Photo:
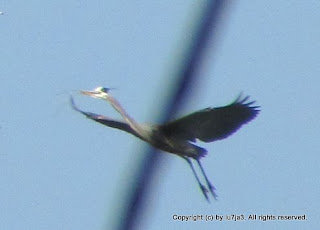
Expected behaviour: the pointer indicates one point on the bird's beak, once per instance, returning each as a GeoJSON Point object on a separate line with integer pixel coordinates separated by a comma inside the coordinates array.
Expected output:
{"type": "Point", "coordinates": [89, 93]}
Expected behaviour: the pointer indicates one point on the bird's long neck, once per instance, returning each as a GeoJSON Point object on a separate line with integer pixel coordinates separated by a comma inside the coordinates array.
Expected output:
{"type": "Point", "coordinates": [130, 121]}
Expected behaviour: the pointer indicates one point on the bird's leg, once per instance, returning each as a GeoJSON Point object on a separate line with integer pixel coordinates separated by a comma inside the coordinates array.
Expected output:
{"type": "Point", "coordinates": [202, 187]}
{"type": "Point", "coordinates": [211, 187]}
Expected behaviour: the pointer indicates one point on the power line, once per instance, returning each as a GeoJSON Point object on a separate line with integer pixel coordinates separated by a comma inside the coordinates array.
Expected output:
{"type": "Point", "coordinates": [186, 76]}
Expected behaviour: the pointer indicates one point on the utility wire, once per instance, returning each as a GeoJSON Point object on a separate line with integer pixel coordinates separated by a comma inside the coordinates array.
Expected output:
{"type": "Point", "coordinates": [133, 207]}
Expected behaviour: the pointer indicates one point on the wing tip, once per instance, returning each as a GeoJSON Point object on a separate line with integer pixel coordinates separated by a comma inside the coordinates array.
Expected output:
{"type": "Point", "coordinates": [244, 101]}
{"type": "Point", "coordinates": [73, 105]}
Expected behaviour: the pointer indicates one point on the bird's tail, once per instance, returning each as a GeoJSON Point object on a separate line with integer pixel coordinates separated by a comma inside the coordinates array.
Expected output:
{"type": "Point", "coordinates": [201, 152]}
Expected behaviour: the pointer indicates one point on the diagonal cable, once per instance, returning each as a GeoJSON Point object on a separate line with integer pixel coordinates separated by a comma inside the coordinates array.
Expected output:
{"type": "Point", "coordinates": [133, 207]}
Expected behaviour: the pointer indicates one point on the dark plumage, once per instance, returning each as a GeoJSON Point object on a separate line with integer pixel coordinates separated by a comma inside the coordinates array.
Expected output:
{"type": "Point", "coordinates": [213, 124]}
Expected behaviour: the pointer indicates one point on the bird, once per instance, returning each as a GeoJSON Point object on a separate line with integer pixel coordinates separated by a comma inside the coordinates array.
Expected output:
{"type": "Point", "coordinates": [179, 136]}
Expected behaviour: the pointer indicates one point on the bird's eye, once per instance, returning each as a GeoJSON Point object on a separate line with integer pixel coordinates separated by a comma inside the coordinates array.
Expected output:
{"type": "Point", "coordinates": [104, 90]}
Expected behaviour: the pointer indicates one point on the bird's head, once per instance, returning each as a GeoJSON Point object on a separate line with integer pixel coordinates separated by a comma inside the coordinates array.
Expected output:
{"type": "Point", "coordinates": [99, 92]}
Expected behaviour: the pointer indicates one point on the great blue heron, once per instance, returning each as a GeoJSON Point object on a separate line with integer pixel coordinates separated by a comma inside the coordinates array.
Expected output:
{"type": "Point", "coordinates": [178, 136]}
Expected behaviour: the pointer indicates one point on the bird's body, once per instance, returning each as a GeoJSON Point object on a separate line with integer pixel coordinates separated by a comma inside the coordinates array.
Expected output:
{"type": "Point", "coordinates": [178, 136]}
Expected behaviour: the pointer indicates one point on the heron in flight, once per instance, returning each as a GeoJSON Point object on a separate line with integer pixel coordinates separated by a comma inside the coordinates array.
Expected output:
{"type": "Point", "coordinates": [178, 136]}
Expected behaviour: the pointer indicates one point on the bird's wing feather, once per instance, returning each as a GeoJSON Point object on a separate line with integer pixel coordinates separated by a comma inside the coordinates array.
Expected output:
{"type": "Point", "coordinates": [104, 120]}
{"type": "Point", "coordinates": [213, 123]}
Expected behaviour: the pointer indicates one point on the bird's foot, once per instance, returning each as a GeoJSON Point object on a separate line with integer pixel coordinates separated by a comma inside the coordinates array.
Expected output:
{"type": "Point", "coordinates": [204, 191]}
{"type": "Point", "coordinates": [212, 191]}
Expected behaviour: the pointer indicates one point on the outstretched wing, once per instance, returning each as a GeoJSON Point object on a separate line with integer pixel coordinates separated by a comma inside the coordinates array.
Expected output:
{"type": "Point", "coordinates": [213, 123]}
{"type": "Point", "coordinates": [104, 120]}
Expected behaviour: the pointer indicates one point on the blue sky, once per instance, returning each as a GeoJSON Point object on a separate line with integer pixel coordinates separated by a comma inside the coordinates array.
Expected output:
{"type": "Point", "coordinates": [59, 170]}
